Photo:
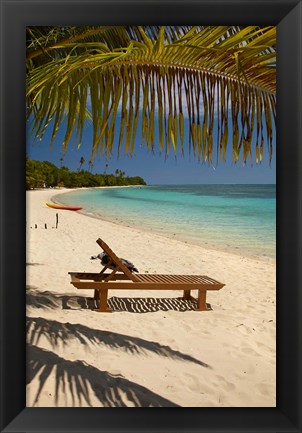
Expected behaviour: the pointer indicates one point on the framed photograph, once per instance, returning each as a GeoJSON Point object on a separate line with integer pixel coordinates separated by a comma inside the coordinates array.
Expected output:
{"type": "Point", "coordinates": [235, 367]}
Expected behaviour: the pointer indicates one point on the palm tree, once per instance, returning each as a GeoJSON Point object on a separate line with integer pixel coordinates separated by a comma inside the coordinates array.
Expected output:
{"type": "Point", "coordinates": [82, 160]}
{"type": "Point", "coordinates": [195, 79]}
{"type": "Point", "coordinates": [90, 165]}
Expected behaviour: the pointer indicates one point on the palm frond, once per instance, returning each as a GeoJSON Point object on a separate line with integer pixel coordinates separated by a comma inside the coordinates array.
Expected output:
{"type": "Point", "coordinates": [220, 78]}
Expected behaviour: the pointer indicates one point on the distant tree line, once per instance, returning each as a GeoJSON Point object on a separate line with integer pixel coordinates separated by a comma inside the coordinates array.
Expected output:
{"type": "Point", "coordinates": [45, 175]}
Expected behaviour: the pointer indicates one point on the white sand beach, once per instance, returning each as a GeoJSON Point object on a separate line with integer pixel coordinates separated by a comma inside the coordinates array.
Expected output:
{"type": "Point", "coordinates": [225, 357]}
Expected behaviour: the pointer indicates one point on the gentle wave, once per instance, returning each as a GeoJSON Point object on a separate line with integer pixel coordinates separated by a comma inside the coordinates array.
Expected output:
{"type": "Point", "coordinates": [239, 218]}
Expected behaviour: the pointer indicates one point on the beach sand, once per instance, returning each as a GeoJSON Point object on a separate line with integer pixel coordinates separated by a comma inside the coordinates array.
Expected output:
{"type": "Point", "coordinates": [225, 357]}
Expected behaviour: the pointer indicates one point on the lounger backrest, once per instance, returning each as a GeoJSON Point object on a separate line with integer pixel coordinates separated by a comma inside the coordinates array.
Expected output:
{"type": "Point", "coordinates": [116, 260]}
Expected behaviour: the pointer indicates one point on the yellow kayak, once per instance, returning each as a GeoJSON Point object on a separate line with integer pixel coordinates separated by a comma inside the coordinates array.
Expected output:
{"type": "Point", "coordinates": [57, 206]}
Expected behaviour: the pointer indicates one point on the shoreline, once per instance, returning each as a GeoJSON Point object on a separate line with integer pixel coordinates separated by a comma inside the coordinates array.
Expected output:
{"type": "Point", "coordinates": [159, 357]}
{"type": "Point", "coordinates": [206, 245]}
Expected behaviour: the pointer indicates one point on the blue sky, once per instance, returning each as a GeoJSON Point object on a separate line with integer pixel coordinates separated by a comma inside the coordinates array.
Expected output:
{"type": "Point", "coordinates": [154, 168]}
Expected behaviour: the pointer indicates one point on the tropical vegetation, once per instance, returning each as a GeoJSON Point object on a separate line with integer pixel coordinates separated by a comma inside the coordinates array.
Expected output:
{"type": "Point", "coordinates": [169, 88]}
{"type": "Point", "coordinates": [44, 174]}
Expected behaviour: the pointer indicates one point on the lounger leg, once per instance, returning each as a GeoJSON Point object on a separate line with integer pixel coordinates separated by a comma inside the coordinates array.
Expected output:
{"type": "Point", "coordinates": [187, 294]}
{"type": "Point", "coordinates": [103, 295]}
{"type": "Point", "coordinates": [201, 301]}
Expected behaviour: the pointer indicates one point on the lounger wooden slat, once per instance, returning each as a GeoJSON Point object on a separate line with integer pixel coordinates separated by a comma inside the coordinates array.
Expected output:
{"type": "Point", "coordinates": [192, 278]}
{"type": "Point", "coordinates": [116, 259]}
{"type": "Point", "coordinates": [168, 279]}
{"type": "Point", "coordinates": [122, 279]}
{"type": "Point", "coordinates": [141, 277]}
{"type": "Point", "coordinates": [121, 285]}
{"type": "Point", "coordinates": [208, 279]}
{"type": "Point", "coordinates": [204, 280]}
{"type": "Point", "coordinates": [200, 280]}
{"type": "Point", "coordinates": [97, 276]}
{"type": "Point", "coordinates": [154, 278]}
{"type": "Point", "coordinates": [165, 279]}
{"type": "Point", "coordinates": [189, 279]}
{"type": "Point", "coordinates": [178, 279]}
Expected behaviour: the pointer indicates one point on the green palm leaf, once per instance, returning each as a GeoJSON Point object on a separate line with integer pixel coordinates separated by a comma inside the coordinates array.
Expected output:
{"type": "Point", "coordinates": [215, 76]}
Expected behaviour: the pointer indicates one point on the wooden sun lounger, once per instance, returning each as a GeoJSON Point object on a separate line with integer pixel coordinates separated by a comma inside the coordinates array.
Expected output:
{"type": "Point", "coordinates": [121, 278]}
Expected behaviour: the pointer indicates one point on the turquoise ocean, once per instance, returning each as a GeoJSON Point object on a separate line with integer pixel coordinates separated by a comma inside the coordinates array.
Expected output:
{"type": "Point", "coordinates": [236, 218]}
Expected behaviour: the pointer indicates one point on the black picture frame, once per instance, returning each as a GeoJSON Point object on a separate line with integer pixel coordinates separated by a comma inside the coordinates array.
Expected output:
{"type": "Point", "coordinates": [15, 16]}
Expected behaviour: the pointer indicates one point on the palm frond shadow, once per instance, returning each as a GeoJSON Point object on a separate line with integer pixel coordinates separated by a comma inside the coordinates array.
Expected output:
{"type": "Point", "coordinates": [57, 332]}
{"type": "Point", "coordinates": [38, 299]}
{"type": "Point", "coordinates": [77, 378]}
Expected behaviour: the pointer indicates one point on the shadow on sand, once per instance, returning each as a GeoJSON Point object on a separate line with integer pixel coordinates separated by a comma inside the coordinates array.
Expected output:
{"type": "Point", "coordinates": [61, 333]}
{"type": "Point", "coordinates": [132, 305]}
{"type": "Point", "coordinates": [79, 379]}
{"type": "Point", "coordinates": [38, 299]}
